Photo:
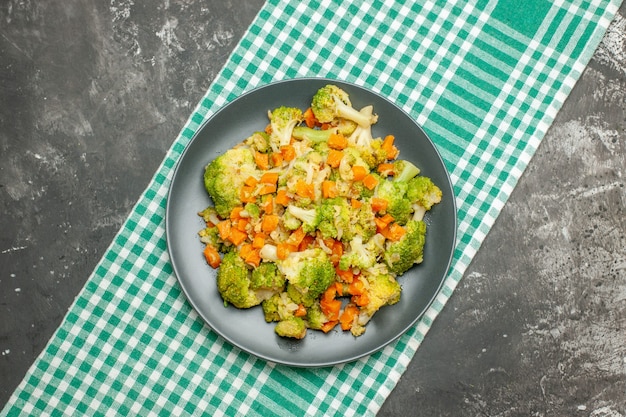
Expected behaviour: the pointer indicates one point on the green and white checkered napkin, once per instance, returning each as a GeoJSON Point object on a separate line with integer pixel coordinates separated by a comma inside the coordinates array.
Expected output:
{"type": "Point", "coordinates": [484, 78]}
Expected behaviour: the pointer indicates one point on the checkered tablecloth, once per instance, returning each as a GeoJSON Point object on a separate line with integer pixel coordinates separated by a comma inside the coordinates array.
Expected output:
{"type": "Point", "coordinates": [484, 78]}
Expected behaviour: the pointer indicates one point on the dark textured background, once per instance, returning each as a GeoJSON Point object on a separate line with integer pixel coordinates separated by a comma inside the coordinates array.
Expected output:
{"type": "Point", "coordinates": [93, 93]}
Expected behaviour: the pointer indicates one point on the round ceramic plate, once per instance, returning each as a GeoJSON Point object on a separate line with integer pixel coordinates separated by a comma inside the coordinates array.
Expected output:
{"type": "Point", "coordinates": [247, 329]}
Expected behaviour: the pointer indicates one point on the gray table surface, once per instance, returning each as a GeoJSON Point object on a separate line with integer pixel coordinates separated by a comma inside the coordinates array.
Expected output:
{"type": "Point", "coordinates": [92, 95]}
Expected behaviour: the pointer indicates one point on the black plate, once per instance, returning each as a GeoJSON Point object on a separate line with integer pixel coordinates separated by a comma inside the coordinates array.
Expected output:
{"type": "Point", "coordinates": [247, 329]}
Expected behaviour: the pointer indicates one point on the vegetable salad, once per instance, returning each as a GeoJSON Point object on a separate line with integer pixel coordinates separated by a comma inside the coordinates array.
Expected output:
{"type": "Point", "coordinates": [313, 218]}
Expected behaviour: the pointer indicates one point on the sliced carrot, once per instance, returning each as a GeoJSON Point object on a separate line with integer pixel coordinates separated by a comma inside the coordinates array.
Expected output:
{"type": "Point", "coordinates": [380, 224]}
{"type": "Point", "coordinates": [383, 222]}
{"type": "Point", "coordinates": [385, 169]}
{"type": "Point", "coordinates": [384, 231]}
{"type": "Point", "coordinates": [339, 288]}
{"type": "Point", "coordinates": [329, 294]}
{"type": "Point", "coordinates": [304, 189]}
{"type": "Point", "coordinates": [325, 126]}
{"type": "Point", "coordinates": [253, 257]}
{"type": "Point", "coordinates": [296, 237]}
{"type": "Point", "coordinates": [345, 276]}
{"type": "Point", "coordinates": [269, 223]}
{"type": "Point", "coordinates": [267, 189]}
{"type": "Point", "coordinates": [284, 249]}
{"type": "Point", "coordinates": [245, 249]}
{"type": "Point", "coordinates": [237, 236]}
{"type": "Point", "coordinates": [306, 242]}
{"type": "Point", "coordinates": [329, 189]}
{"type": "Point", "coordinates": [251, 181]}
{"type": "Point", "coordinates": [389, 148]}
{"type": "Point", "coordinates": [337, 141]}
{"type": "Point", "coordinates": [331, 308]}
{"type": "Point", "coordinates": [334, 158]}
{"type": "Point", "coordinates": [236, 213]}
{"type": "Point", "coordinates": [359, 172]}
{"type": "Point", "coordinates": [356, 287]}
{"type": "Point", "coordinates": [300, 312]}
{"type": "Point", "coordinates": [223, 228]}
{"type": "Point", "coordinates": [262, 160]}
{"type": "Point", "coordinates": [268, 128]}
{"type": "Point", "coordinates": [282, 198]}
{"type": "Point", "coordinates": [269, 178]}
{"type": "Point", "coordinates": [350, 312]}
{"type": "Point", "coordinates": [309, 118]}
{"type": "Point", "coordinates": [246, 194]}
{"type": "Point", "coordinates": [393, 232]}
{"type": "Point", "coordinates": [329, 325]}
{"type": "Point", "coordinates": [288, 152]}
{"type": "Point", "coordinates": [337, 251]}
{"type": "Point", "coordinates": [259, 241]}
{"type": "Point", "coordinates": [361, 300]}
{"type": "Point", "coordinates": [370, 181]}
{"type": "Point", "coordinates": [268, 204]}
{"type": "Point", "coordinates": [241, 224]}
{"type": "Point", "coordinates": [387, 218]}
{"type": "Point", "coordinates": [355, 204]}
{"type": "Point", "coordinates": [212, 256]}
{"type": "Point", "coordinates": [277, 159]}
{"type": "Point", "coordinates": [329, 242]}
{"type": "Point", "coordinates": [379, 204]}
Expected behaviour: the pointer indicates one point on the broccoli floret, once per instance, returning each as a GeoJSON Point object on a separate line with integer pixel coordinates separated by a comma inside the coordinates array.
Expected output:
{"type": "Point", "coordinates": [399, 205]}
{"type": "Point", "coordinates": [409, 250]}
{"type": "Point", "coordinates": [360, 191]}
{"type": "Point", "coordinates": [225, 175]}
{"type": "Point", "coordinates": [362, 221]}
{"type": "Point", "coordinates": [290, 221]}
{"type": "Point", "coordinates": [233, 282]}
{"type": "Point", "coordinates": [283, 120]}
{"type": "Point", "coordinates": [405, 170]}
{"type": "Point", "coordinates": [266, 277]}
{"type": "Point", "coordinates": [259, 141]}
{"type": "Point", "coordinates": [209, 215]}
{"type": "Point", "coordinates": [315, 318]}
{"type": "Point", "coordinates": [278, 307]}
{"type": "Point", "coordinates": [252, 210]}
{"type": "Point", "coordinates": [351, 157]}
{"type": "Point", "coordinates": [360, 255]}
{"type": "Point", "coordinates": [373, 153]}
{"type": "Point", "coordinates": [423, 191]}
{"type": "Point", "coordinates": [210, 236]}
{"type": "Point", "coordinates": [293, 327]}
{"type": "Point", "coordinates": [331, 102]}
{"type": "Point", "coordinates": [309, 273]}
{"type": "Point", "coordinates": [244, 289]}
{"type": "Point", "coordinates": [383, 290]}
{"type": "Point", "coordinates": [346, 127]}
{"type": "Point", "coordinates": [335, 218]}
{"type": "Point", "coordinates": [310, 218]}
